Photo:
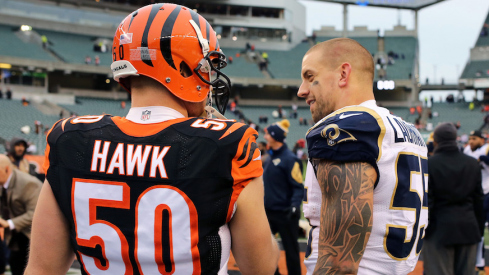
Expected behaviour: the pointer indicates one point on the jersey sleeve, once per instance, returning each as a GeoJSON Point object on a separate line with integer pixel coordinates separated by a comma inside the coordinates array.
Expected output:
{"type": "Point", "coordinates": [246, 165]}
{"type": "Point", "coordinates": [348, 136]}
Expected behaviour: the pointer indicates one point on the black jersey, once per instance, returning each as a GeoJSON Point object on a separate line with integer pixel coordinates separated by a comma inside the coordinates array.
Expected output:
{"type": "Point", "coordinates": [150, 198]}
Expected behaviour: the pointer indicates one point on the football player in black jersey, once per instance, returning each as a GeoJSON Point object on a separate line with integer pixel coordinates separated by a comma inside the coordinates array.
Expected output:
{"type": "Point", "coordinates": [165, 189]}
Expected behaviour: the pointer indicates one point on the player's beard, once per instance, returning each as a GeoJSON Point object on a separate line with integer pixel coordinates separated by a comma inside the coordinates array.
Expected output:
{"type": "Point", "coordinates": [321, 110]}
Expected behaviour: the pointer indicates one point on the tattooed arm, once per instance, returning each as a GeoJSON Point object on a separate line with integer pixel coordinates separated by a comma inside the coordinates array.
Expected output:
{"type": "Point", "coordinates": [346, 214]}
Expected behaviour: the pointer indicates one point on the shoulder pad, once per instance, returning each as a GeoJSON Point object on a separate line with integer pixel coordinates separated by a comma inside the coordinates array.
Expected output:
{"type": "Point", "coordinates": [352, 134]}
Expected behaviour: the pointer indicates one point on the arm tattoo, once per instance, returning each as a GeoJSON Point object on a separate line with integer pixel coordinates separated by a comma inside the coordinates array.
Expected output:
{"type": "Point", "coordinates": [346, 215]}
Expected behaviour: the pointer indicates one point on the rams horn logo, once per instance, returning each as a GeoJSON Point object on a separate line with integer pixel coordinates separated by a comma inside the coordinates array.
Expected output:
{"type": "Point", "coordinates": [334, 135]}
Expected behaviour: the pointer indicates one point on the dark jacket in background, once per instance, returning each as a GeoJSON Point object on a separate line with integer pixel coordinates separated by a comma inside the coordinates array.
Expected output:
{"type": "Point", "coordinates": [282, 177]}
{"type": "Point", "coordinates": [455, 198]}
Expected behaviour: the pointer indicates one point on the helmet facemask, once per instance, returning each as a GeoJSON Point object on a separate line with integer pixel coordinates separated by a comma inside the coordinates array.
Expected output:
{"type": "Point", "coordinates": [213, 61]}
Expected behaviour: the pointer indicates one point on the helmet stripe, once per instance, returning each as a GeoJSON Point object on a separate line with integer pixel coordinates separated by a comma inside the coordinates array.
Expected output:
{"type": "Point", "coordinates": [166, 31]}
{"type": "Point", "coordinates": [207, 28]}
{"type": "Point", "coordinates": [195, 17]}
{"type": "Point", "coordinates": [144, 41]}
{"type": "Point", "coordinates": [132, 18]}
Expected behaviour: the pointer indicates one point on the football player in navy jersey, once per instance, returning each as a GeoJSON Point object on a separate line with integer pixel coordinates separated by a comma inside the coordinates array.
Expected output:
{"type": "Point", "coordinates": [166, 189]}
{"type": "Point", "coordinates": [366, 179]}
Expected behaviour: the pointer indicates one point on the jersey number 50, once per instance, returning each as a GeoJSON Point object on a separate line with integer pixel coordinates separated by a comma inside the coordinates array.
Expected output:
{"type": "Point", "coordinates": [410, 195]}
{"type": "Point", "coordinates": [87, 195]}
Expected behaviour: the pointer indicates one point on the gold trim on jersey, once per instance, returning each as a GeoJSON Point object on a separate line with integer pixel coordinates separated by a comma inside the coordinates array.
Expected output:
{"type": "Point", "coordinates": [405, 208]}
{"type": "Point", "coordinates": [368, 110]}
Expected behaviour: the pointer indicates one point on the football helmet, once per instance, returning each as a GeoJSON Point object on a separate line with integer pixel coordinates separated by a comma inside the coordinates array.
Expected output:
{"type": "Point", "coordinates": [175, 46]}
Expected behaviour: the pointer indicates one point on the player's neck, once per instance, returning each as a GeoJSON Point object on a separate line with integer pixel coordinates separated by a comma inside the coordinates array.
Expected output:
{"type": "Point", "coordinates": [354, 98]}
{"type": "Point", "coordinates": [157, 97]}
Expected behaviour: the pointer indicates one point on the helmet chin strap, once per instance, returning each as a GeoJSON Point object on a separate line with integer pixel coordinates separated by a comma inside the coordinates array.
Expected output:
{"type": "Point", "coordinates": [209, 111]}
{"type": "Point", "coordinates": [206, 68]}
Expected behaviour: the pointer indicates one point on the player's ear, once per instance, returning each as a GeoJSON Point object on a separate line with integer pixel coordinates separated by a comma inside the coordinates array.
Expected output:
{"type": "Point", "coordinates": [345, 71]}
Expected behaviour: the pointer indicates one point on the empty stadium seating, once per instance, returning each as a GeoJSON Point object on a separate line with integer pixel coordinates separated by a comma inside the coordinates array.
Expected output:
{"type": "Point", "coordinates": [73, 47]}
{"type": "Point", "coordinates": [92, 106]}
{"type": "Point", "coordinates": [483, 40]}
{"type": "Point", "coordinates": [453, 112]}
{"type": "Point", "coordinates": [11, 45]}
{"type": "Point", "coordinates": [240, 66]}
{"type": "Point", "coordinates": [402, 68]}
{"type": "Point", "coordinates": [476, 69]}
{"type": "Point", "coordinates": [14, 116]}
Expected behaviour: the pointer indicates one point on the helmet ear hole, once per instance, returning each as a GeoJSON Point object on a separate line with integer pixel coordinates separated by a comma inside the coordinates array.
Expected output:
{"type": "Point", "coordinates": [185, 70]}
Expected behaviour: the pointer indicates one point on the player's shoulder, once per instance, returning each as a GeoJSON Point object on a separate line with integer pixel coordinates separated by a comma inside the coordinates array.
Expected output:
{"type": "Point", "coordinates": [80, 123]}
{"type": "Point", "coordinates": [348, 124]}
{"type": "Point", "coordinates": [350, 134]}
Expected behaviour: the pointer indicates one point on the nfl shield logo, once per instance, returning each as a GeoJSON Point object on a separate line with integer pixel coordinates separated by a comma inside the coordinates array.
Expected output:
{"type": "Point", "coordinates": [145, 115]}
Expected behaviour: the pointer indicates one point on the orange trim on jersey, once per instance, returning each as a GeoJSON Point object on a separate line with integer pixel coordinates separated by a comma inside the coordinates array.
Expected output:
{"type": "Point", "coordinates": [143, 130]}
{"type": "Point", "coordinates": [243, 170]}
{"type": "Point", "coordinates": [194, 230]}
{"type": "Point", "coordinates": [94, 240]}
{"type": "Point", "coordinates": [231, 129]}
{"type": "Point", "coordinates": [46, 163]}
{"type": "Point", "coordinates": [64, 123]}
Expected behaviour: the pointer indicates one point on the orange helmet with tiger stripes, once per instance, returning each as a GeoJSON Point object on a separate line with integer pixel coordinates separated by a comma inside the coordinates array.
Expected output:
{"type": "Point", "coordinates": [175, 46]}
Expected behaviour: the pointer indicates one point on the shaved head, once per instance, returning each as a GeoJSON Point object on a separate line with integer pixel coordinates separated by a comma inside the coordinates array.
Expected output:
{"type": "Point", "coordinates": [6, 168]}
{"type": "Point", "coordinates": [335, 74]}
{"type": "Point", "coordinates": [337, 51]}
{"type": "Point", "coordinates": [4, 161]}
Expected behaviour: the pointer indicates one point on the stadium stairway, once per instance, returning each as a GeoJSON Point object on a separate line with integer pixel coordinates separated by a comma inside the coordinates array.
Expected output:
{"type": "Point", "coordinates": [23, 48]}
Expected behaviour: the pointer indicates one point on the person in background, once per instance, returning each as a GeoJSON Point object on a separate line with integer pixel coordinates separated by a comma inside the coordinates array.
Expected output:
{"type": "Point", "coordinates": [456, 218]}
{"type": "Point", "coordinates": [16, 153]}
{"type": "Point", "coordinates": [17, 204]}
{"type": "Point", "coordinates": [284, 191]}
{"type": "Point", "coordinates": [478, 149]}
{"type": "Point", "coordinates": [262, 146]}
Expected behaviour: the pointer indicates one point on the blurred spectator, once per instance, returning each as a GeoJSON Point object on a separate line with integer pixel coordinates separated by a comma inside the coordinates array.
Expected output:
{"type": "Point", "coordinates": [16, 152]}
{"type": "Point", "coordinates": [300, 144]}
{"type": "Point", "coordinates": [1, 94]}
{"type": "Point", "coordinates": [252, 125]}
{"type": "Point", "coordinates": [279, 111]}
{"type": "Point", "coordinates": [123, 105]}
{"type": "Point", "coordinates": [313, 37]}
{"type": "Point", "coordinates": [38, 126]}
{"type": "Point", "coordinates": [302, 121]}
{"type": "Point", "coordinates": [458, 125]}
{"type": "Point", "coordinates": [471, 106]}
{"type": "Point", "coordinates": [294, 111]}
{"type": "Point", "coordinates": [88, 60]}
{"type": "Point", "coordinates": [97, 60]}
{"type": "Point", "coordinates": [230, 60]}
{"type": "Point", "coordinates": [18, 202]}
{"type": "Point", "coordinates": [262, 146]}
{"type": "Point", "coordinates": [432, 100]}
{"type": "Point", "coordinates": [419, 109]}
{"type": "Point", "coordinates": [263, 119]}
{"type": "Point", "coordinates": [282, 178]}
{"type": "Point", "coordinates": [25, 102]}
{"type": "Point", "coordinates": [450, 98]}
{"type": "Point", "coordinates": [455, 207]}
{"type": "Point", "coordinates": [8, 94]}
{"type": "Point", "coordinates": [412, 110]}
{"type": "Point", "coordinates": [477, 149]}
{"type": "Point", "coordinates": [44, 41]}
{"type": "Point", "coordinates": [264, 55]}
